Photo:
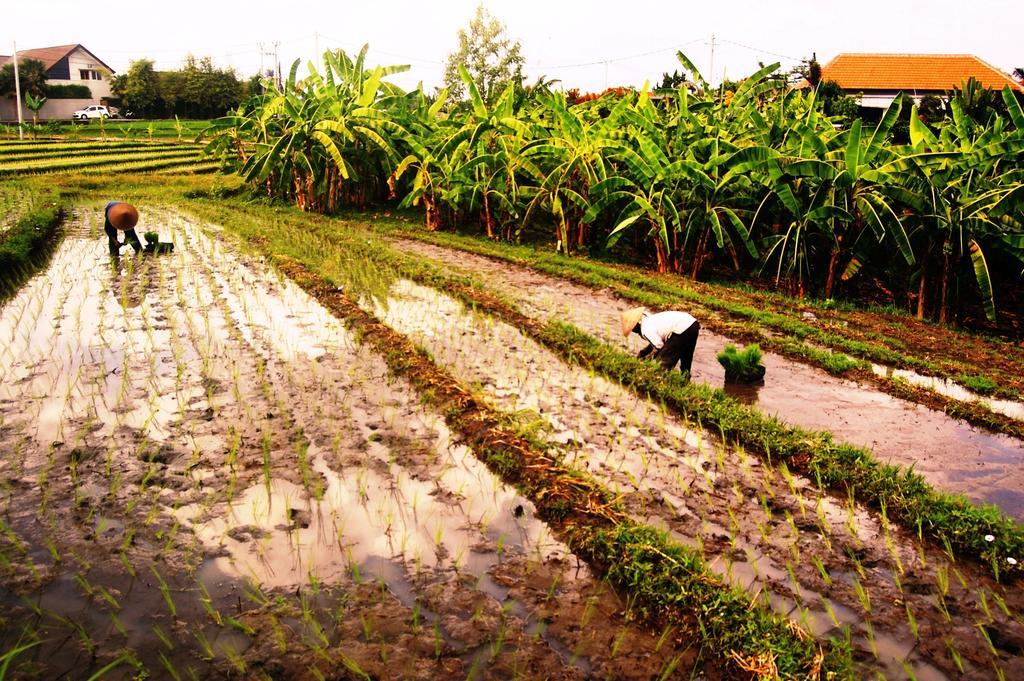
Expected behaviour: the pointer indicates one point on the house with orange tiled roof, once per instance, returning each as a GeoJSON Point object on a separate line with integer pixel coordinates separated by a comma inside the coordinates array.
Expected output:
{"type": "Point", "coordinates": [877, 79]}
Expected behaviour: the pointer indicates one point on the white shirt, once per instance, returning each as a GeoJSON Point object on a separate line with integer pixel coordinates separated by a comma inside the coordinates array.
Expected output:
{"type": "Point", "coordinates": [656, 328]}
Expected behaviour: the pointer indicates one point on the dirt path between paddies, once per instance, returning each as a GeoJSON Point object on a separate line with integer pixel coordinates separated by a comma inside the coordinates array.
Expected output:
{"type": "Point", "coordinates": [202, 472]}
{"type": "Point", "coordinates": [949, 453]}
{"type": "Point", "coordinates": [823, 563]}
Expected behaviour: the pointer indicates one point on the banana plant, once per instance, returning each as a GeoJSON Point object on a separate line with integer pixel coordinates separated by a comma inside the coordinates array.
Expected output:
{"type": "Point", "coordinates": [973, 199]}
{"type": "Point", "coordinates": [489, 163]}
{"type": "Point", "coordinates": [693, 165]}
{"type": "Point", "coordinates": [870, 196]}
{"type": "Point", "coordinates": [428, 130]}
{"type": "Point", "coordinates": [34, 104]}
{"type": "Point", "coordinates": [324, 141]}
{"type": "Point", "coordinates": [569, 161]}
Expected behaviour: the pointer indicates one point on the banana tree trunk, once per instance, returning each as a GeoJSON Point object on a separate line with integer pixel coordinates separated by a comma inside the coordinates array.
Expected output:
{"type": "Point", "coordinates": [833, 267]}
{"type": "Point", "coordinates": [433, 213]}
{"type": "Point", "coordinates": [663, 255]}
{"type": "Point", "coordinates": [487, 219]}
{"type": "Point", "coordinates": [922, 287]}
{"type": "Point", "coordinates": [582, 236]}
{"type": "Point", "coordinates": [701, 254]}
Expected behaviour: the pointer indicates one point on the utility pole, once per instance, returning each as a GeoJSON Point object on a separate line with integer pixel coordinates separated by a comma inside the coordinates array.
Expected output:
{"type": "Point", "coordinates": [711, 70]}
{"type": "Point", "coordinates": [277, 62]}
{"type": "Point", "coordinates": [17, 91]}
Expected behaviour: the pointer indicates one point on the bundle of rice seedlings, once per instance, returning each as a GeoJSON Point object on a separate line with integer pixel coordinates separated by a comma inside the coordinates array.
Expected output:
{"type": "Point", "coordinates": [742, 366]}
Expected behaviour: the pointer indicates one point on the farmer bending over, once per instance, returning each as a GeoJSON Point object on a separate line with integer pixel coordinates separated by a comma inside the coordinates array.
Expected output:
{"type": "Point", "coordinates": [671, 335]}
{"type": "Point", "coordinates": [121, 217]}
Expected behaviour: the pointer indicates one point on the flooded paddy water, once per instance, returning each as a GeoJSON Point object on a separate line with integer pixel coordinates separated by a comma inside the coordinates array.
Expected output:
{"type": "Point", "coordinates": [202, 475]}
{"type": "Point", "coordinates": [951, 454]}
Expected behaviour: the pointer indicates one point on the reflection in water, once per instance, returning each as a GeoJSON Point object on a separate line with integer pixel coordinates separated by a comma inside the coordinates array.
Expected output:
{"type": "Point", "coordinates": [131, 279]}
{"type": "Point", "coordinates": [743, 393]}
{"type": "Point", "coordinates": [1015, 410]}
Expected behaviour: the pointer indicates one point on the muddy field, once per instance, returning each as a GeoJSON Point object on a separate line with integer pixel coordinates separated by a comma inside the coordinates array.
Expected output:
{"type": "Point", "coordinates": [203, 476]}
{"type": "Point", "coordinates": [951, 454]}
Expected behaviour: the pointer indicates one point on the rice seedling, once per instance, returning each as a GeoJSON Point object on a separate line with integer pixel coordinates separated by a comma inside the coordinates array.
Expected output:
{"type": "Point", "coordinates": [862, 595]}
{"type": "Point", "coordinates": [7, 657]}
{"type": "Point", "coordinates": [165, 591]}
{"type": "Point", "coordinates": [169, 667]}
{"type": "Point", "coordinates": [742, 366]}
{"type": "Point", "coordinates": [955, 654]}
{"type": "Point", "coordinates": [822, 570]}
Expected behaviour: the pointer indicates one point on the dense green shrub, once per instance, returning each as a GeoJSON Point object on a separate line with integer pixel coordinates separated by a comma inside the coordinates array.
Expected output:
{"type": "Point", "coordinates": [68, 92]}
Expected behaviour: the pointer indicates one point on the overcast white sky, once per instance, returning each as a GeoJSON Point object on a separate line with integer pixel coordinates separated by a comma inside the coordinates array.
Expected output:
{"type": "Point", "coordinates": [589, 45]}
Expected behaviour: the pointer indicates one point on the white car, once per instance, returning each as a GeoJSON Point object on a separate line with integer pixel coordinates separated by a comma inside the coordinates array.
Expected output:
{"type": "Point", "coordinates": [94, 111]}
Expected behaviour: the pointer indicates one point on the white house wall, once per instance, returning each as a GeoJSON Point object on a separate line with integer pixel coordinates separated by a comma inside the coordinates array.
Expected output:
{"type": "Point", "coordinates": [882, 100]}
{"type": "Point", "coordinates": [54, 109]}
{"type": "Point", "coordinates": [80, 59]}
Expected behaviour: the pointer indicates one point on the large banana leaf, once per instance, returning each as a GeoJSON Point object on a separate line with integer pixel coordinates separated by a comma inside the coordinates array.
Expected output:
{"type": "Point", "coordinates": [984, 281]}
{"type": "Point", "coordinates": [474, 92]}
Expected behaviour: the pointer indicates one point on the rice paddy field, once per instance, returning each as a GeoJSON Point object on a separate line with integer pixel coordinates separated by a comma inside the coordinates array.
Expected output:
{"type": "Point", "coordinates": [19, 158]}
{"type": "Point", "coordinates": [302, 447]}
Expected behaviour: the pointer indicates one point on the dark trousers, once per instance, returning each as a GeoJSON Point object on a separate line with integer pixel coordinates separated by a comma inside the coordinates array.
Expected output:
{"type": "Point", "coordinates": [678, 348]}
{"type": "Point", "coordinates": [130, 237]}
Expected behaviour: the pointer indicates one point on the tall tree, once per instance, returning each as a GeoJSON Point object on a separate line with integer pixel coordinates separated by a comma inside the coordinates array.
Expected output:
{"type": "Point", "coordinates": [32, 77]}
{"type": "Point", "coordinates": [491, 57]}
{"type": "Point", "coordinates": [205, 90]}
{"type": "Point", "coordinates": [808, 69]}
{"type": "Point", "coordinates": [672, 81]}
{"type": "Point", "coordinates": [138, 88]}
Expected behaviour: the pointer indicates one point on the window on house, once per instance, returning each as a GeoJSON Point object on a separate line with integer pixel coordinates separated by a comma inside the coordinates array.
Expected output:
{"type": "Point", "coordinates": [89, 74]}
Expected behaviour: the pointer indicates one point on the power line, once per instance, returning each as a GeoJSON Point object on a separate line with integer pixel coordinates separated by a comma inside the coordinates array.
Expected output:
{"type": "Point", "coordinates": [598, 62]}
{"type": "Point", "coordinates": [618, 59]}
{"type": "Point", "coordinates": [759, 50]}
{"type": "Point", "coordinates": [387, 53]}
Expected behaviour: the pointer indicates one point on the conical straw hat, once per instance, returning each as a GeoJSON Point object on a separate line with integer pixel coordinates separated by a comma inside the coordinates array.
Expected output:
{"type": "Point", "coordinates": [123, 216]}
{"type": "Point", "coordinates": [630, 318]}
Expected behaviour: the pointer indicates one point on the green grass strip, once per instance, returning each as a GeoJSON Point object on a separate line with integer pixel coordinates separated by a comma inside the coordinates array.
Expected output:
{"type": "Point", "coordinates": [31, 148]}
{"type": "Point", "coordinates": [93, 152]}
{"type": "Point", "coordinates": [96, 162]}
{"type": "Point", "coordinates": [26, 247]}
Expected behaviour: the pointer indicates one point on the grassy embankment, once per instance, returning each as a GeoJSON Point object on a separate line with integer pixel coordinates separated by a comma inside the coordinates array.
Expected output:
{"type": "Point", "coordinates": [28, 239]}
